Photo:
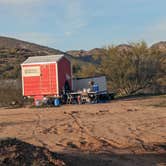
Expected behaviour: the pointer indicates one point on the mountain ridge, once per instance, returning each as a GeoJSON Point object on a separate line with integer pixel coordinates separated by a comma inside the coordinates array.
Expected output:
{"type": "Point", "coordinates": [161, 46]}
{"type": "Point", "coordinates": [8, 42]}
{"type": "Point", "coordinates": [14, 51]}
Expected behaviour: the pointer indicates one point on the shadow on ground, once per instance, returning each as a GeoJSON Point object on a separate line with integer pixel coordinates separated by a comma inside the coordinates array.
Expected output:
{"type": "Point", "coordinates": [138, 97]}
{"type": "Point", "coordinates": [16, 153]}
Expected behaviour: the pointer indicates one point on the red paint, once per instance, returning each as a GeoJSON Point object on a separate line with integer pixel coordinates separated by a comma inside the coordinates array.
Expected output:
{"type": "Point", "coordinates": [48, 83]}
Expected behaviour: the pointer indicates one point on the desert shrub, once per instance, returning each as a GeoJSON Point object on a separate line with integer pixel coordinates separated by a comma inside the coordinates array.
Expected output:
{"type": "Point", "coordinates": [131, 71]}
{"type": "Point", "coordinates": [10, 93]}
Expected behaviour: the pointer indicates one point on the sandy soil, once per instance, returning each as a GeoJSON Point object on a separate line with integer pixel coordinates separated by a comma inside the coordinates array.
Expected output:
{"type": "Point", "coordinates": [122, 132]}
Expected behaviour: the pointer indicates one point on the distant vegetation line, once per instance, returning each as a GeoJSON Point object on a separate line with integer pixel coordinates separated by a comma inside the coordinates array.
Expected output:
{"type": "Point", "coordinates": [129, 68]}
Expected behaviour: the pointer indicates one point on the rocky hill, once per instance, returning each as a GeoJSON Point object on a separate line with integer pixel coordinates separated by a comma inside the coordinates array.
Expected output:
{"type": "Point", "coordinates": [19, 45]}
{"type": "Point", "coordinates": [161, 46]}
{"type": "Point", "coordinates": [13, 52]}
{"type": "Point", "coordinates": [82, 53]}
{"type": "Point", "coordinates": [96, 51]}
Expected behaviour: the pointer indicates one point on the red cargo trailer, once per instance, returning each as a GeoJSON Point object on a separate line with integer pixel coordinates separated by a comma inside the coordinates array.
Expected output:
{"type": "Point", "coordinates": [46, 76]}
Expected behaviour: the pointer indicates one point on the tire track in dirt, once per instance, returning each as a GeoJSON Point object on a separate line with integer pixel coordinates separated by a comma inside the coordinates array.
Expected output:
{"type": "Point", "coordinates": [139, 131]}
{"type": "Point", "coordinates": [35, 134]}
{"type": "Point", "coordinates": [140, 143]}
{"type": "Point", "coordinates": [103, 142]}
{"type": "Point", "coordinates": [111, 144]}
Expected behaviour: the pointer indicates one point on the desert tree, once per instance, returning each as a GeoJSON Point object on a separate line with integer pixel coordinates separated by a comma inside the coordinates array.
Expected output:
{"type": "Point", "coordinates": [131, 70]}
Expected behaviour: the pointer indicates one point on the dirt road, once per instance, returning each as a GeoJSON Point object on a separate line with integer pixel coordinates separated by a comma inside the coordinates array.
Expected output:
{"type": "Point", "coordinates": [127, 128]}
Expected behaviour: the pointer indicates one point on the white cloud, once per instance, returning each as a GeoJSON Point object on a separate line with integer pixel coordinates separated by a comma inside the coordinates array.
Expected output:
{"type": "Point", "coordinates": [65, 17]}
{"type": "Point", "coordinates": [68, 14]}
{"type": "Point", "coordinates": [75, 16]}
{"type": "Point", "coordinates": [68, 34]}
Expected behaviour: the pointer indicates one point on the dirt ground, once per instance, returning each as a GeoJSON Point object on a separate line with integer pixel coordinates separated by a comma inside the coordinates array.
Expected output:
{"type": "Point", "coordinates": [122, 132]}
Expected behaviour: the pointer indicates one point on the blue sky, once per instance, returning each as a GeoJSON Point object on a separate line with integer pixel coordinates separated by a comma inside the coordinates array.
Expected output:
{"type": "Point", "coordinates": [83, 24]}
